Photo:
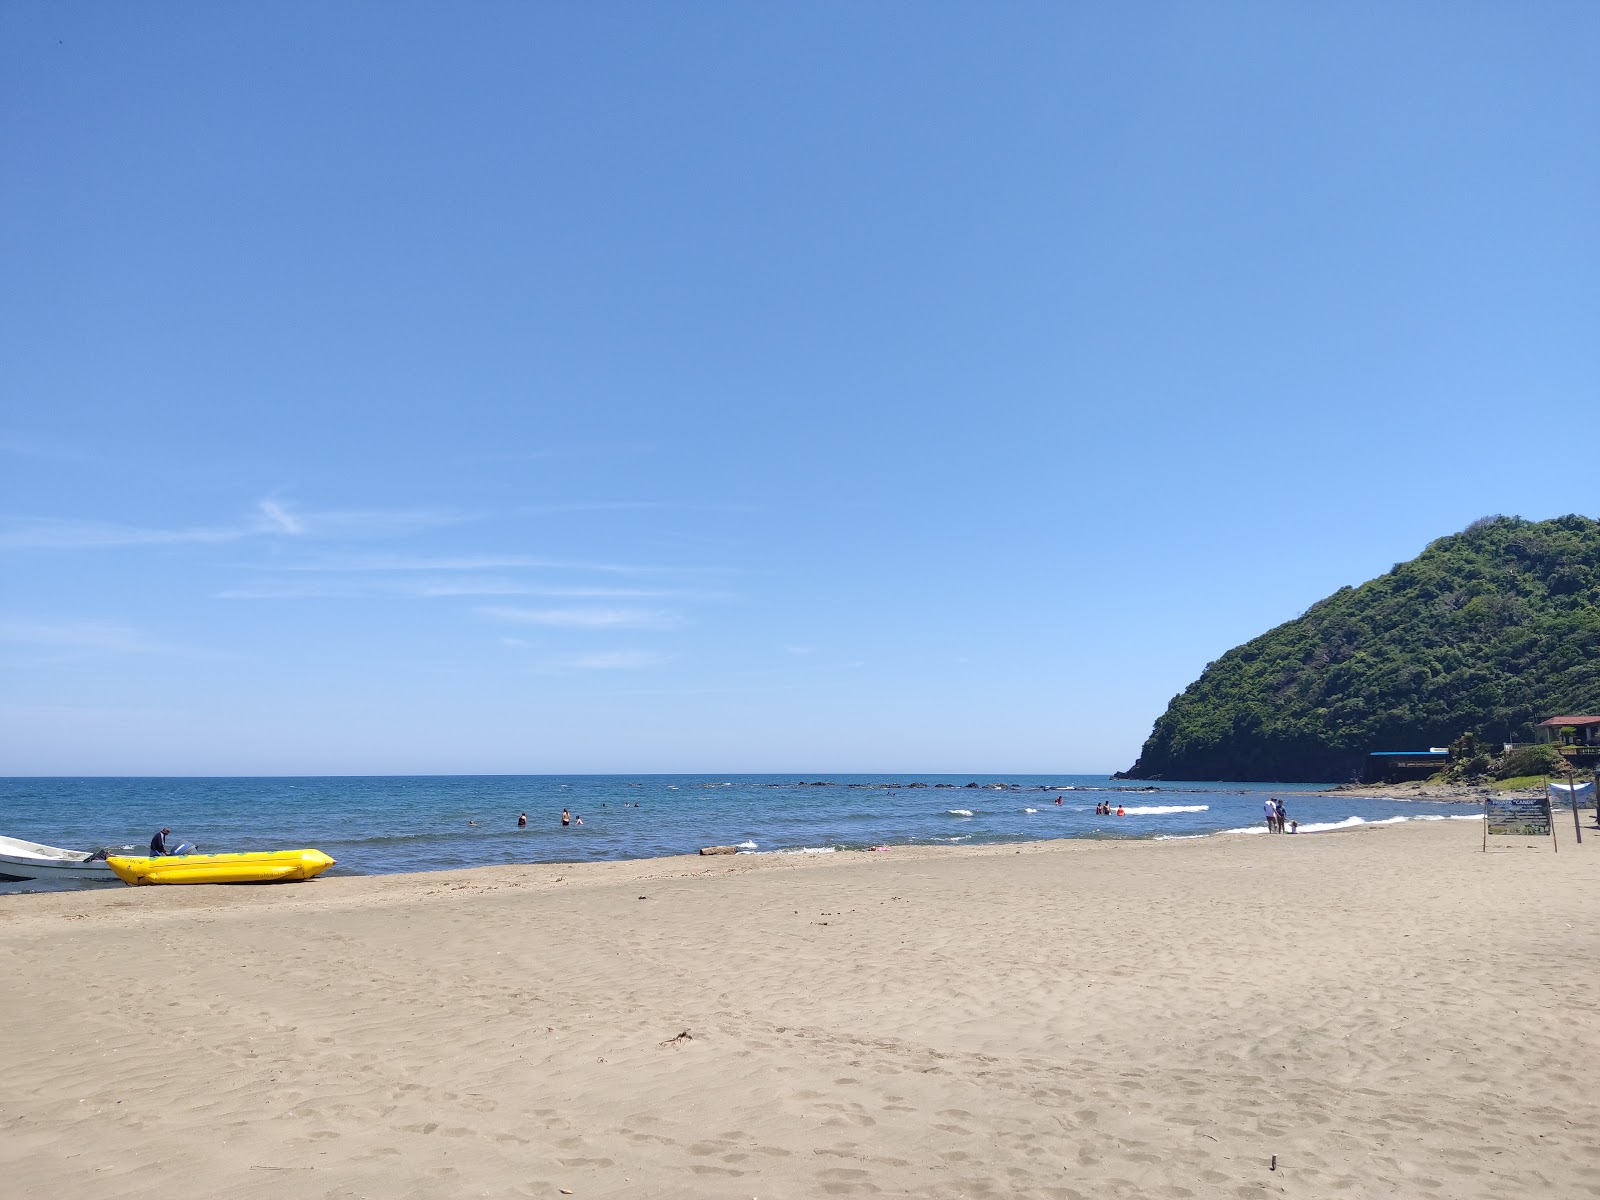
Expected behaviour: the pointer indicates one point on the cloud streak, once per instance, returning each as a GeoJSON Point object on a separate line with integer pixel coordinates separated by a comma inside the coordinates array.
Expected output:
{"type": "Point", "coordinates": [583, 618]}
{"type": "Point", "coordinates": [50, 533]}
{"type": "Point", "coordinates": [375, 563]}
{"type": "Point", "coordinates": [616, 660]}
{"type": "Point", "coordinates": [446, 587]}
{"type": "Point", "coordinates": [99, 636]}
{"type": "Point", "coordinates": [271, 518]}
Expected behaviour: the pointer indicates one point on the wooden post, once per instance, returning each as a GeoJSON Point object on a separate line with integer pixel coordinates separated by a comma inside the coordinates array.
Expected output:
{"type": "Point", "coordinates": [1572, 784]}
{"type": "Point", "coordinates": [1550, 816]}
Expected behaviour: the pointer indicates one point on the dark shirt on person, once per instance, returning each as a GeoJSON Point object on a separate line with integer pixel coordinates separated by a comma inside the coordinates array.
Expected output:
{"type": "Point", "coordinates": [158, 845]}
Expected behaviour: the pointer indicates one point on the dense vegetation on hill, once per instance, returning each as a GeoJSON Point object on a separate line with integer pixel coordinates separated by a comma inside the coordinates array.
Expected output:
{"type": "Point", "coordinates": [1485, 632]}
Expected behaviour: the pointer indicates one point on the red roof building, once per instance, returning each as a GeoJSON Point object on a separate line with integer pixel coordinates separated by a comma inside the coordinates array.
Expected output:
{"type": "Point", "coordinates": [1587, 730]}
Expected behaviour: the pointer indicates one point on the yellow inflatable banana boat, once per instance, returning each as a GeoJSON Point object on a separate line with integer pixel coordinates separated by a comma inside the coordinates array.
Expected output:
{"type": "Point", "coordinates": [269, 866]}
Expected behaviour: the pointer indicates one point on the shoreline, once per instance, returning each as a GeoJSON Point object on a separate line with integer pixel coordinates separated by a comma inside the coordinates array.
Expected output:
{"type": "Point", "coordinates": [548, 875]}
{"type": "Point", "coordinates": [819, 853]}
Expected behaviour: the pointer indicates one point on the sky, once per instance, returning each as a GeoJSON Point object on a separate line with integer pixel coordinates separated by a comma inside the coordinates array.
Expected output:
{"type": "Point", "coordinates": [908, 387]}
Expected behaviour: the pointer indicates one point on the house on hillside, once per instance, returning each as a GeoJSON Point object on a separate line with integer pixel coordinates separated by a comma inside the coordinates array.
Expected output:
{"type": "Point", "coordinates": [1585, 731]}
{"type": "Point", "coordinates": [1582, 742]}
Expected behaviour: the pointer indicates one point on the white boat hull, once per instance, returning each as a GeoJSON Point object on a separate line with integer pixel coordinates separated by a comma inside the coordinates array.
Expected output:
{"type": "Point", "coordinates": [22, 861]}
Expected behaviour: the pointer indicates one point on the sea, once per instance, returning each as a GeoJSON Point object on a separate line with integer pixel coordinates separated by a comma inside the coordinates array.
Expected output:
{"type": "Point", "coordinates": [386, 824]}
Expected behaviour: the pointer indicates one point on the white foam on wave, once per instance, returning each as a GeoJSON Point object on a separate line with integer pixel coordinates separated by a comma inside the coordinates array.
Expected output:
{"type": "Point", "coordinates": [806, 850]}
{"type": "Point", "coordinates": [1030, 810]}
{"type": "Point", "coordinates": [1156, 810]}
{"type": "Point", "coordinates": [1347, 823]}
{"type": "Point", "coordinates": [959, 812]}
{"type": "Point", "coordinates": [747, 845]}
{"type": "Point", "coordinates": [1352, 822]}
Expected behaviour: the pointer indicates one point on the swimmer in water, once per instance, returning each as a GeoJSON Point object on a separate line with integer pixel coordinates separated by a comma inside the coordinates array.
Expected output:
{"type": "Point", "coordinates": [566, 817]}
{"type": "Point", "coordinates": [1120, 813]}
{"type": "Point", "coordinates": [522, 821]}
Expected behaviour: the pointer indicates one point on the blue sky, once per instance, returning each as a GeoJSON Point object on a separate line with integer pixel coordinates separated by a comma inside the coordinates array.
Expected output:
{"type": "Point", "coordinates": [397, 388]}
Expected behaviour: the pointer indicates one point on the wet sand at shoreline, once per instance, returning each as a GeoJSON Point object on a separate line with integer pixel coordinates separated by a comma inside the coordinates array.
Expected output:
{"type": "Point", "coordinates": [1387, 1011]}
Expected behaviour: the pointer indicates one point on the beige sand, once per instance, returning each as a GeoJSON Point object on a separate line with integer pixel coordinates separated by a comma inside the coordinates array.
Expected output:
{"type": "Point", "coordinates": [1388, 1011]}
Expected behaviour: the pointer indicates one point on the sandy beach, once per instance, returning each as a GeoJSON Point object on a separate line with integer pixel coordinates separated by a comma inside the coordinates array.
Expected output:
{"type": "Point", "coordinates": [1384, 1012]}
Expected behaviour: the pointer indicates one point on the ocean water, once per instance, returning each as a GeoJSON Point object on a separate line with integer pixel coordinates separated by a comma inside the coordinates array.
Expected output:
{"type": "Point", "coordinates": [380, 825]}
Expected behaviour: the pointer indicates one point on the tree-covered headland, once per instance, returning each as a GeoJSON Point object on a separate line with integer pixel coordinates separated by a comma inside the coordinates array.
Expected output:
{"type": "Point", "coordinates": [1484, 633]}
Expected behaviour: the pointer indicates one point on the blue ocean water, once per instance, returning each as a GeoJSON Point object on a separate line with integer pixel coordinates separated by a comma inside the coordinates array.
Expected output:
{"type": "Point", "coordinates": [380, 825]}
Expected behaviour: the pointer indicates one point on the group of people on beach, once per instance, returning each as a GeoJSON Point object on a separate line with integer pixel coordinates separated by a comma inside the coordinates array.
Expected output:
{"type": "Point", "coordinates": [1277, 817]}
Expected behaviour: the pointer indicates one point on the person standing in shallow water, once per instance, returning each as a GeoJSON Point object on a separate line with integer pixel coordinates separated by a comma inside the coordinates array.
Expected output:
{"type": "Point", "coordinates": [1283, 814]}
{"type": "Point", "coordinates": [566, 817]}
{"type": "Point", "coordinates": [522, 821]}
{"type": "Point", "coordinates": [1270, 808]}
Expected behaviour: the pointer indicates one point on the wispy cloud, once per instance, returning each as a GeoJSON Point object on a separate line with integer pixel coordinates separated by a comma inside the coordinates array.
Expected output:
{"type": "Point", "coordinates": [50, 533]}
{"type": "Point", "coordinates": [616, 660]}
{"type": "Point", "coordinates": [374, 563]}
{"type": "Point", "coordinates": [800, 649]}
{"type": "Point", "coordinates": [280, 517]}
{"type": "Point", "coordinates": [271, 518]}
{"type": "Point", "coordinates": [346, 588]}
{"type": "Point", "coordinates": [100, 636]}
{"type": "Point", "coordinates": [583, 618]}
{"type": "Point", "coordinates": [491, 587]}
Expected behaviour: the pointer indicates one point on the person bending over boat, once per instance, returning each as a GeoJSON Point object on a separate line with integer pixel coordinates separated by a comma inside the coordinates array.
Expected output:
{"type": "Point", "coordinates": [158, 844]}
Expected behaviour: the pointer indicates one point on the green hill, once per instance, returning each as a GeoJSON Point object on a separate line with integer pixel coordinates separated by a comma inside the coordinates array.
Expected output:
{"type": "Point", "coordinates": [1485, 632]}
